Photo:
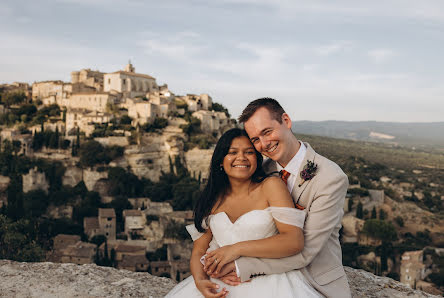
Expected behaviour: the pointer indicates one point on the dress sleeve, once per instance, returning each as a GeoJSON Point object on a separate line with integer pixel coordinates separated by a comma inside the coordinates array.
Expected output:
{"type": "Point", "coordinates": [289, 216]}
{"type": "Point", "coordinates": [194, 233]}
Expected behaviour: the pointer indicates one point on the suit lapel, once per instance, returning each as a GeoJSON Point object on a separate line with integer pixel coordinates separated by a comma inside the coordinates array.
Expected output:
{"type": "Point", "coordinates": [300, 185]}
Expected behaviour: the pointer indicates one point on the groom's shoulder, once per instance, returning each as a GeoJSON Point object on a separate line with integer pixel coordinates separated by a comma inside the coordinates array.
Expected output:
{"type": "Point", "coordinates": [325, 165]}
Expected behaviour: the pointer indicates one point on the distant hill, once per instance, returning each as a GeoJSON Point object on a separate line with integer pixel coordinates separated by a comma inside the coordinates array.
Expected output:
{"type": "Point", "coordinates": [420, 135]}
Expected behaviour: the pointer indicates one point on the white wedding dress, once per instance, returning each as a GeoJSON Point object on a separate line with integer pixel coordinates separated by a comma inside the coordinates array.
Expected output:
{"type": "Point", "coordinates": [253, 225]}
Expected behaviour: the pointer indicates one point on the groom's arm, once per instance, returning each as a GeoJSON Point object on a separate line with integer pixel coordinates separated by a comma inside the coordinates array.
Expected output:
{"type": "Point", "coordinates": [325, 212]}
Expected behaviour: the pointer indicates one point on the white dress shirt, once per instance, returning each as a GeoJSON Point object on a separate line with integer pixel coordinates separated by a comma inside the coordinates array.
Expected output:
{"type": "Point", "coordinates": [293, 166]}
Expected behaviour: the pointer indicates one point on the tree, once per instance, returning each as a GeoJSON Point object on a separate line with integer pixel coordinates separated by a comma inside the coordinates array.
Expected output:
{"type": "Point", "coordinates": [349, 204]}
{"type": "Point", "coordinates": [373, 212]}
{"type": "Point", "coordinates": [16, 242]}
{"type": "Point", "coordinates": [359, 211]}
{"type": "Point", "coordinates": [12, 98]}
{"type": "Point", "coordinates": [382, 214]}
{"type": "Point", "coordinates": [380, 229]}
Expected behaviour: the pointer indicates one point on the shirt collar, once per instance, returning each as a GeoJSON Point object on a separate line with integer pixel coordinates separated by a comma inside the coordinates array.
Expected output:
{"type": "Point", "coordinates": [295, 163]}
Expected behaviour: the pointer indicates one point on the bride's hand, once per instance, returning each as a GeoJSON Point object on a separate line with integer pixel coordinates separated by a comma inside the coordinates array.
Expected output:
{"type": "Point", "coordinates": [216, 259]}
{"type": "Point", "coordinates": [209, 289]}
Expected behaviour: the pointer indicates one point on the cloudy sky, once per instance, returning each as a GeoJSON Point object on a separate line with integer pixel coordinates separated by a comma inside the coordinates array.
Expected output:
{"type": "Point", "coordinates": [323, 60]}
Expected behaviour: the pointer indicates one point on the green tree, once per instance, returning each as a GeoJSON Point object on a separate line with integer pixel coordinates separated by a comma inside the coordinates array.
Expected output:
{"type": "Point", "coordinates": [380, 229]}
{"type": "Point", "coordinates": [382, 214]}
{"type": "Point", "coordinates": [359, 211]}
{"type": "Point", "coordinates": [12, 98]}
{"type": "Point", "coordinates": [373, 212]}
{"type": "Point", "coordinates": [16, 242]}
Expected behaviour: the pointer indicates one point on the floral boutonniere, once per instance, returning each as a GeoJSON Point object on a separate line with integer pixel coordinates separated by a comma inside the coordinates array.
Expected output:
{"type": "Point", "coordinates": [308, 172]}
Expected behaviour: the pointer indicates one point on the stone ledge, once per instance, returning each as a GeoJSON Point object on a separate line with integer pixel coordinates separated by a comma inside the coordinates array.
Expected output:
{"type": "Point", "coordinates": [70, 280]}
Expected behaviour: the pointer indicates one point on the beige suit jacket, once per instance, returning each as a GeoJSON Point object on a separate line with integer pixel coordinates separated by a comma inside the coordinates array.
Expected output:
{"type": "Point", "coordinates": [321, 259]}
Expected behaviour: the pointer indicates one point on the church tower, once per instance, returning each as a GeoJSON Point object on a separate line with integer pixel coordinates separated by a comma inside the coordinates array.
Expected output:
{"type": "Point", "coordinates": [129, 67]}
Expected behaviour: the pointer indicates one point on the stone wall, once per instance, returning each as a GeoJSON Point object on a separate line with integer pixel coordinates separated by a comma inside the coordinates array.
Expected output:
{"type": "Point", "coordinates": [70, 280]}
{"type": "Point", "coordinates": [35, 180]}
{"type": "Point", "coordinates": [198, 161]}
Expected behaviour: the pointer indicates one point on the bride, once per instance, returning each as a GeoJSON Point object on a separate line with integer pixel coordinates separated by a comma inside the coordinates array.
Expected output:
{"type": "Point", "coordinates": [246, 213]}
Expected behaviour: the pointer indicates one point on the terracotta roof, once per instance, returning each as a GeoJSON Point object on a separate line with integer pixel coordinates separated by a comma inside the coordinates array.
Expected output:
{"type": "Point", "coordinates": [80, 249]}
{"type": "Point", "coordinates": [134, 74]}
{"type": "Point", "coordinates": [132, 261]}
{"type": "Point", "coordinates": [132, 212]}
{"type": "Point", "coordinates": [90, 223]}
{"type": "Point", "coordinates": [107, 212]}
{"type": "Point", "coordinates": [121, 247]}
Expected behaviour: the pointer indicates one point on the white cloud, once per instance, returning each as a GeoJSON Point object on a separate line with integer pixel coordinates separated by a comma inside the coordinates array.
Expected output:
{"type": "Point", "coordinates": [339, 46]}
{"type": "Point", "coordinates": [381, 55]}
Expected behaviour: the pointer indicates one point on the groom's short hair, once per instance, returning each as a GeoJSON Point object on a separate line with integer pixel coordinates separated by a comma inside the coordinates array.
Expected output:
{"type": "Point", "coordinates": [270, 104]}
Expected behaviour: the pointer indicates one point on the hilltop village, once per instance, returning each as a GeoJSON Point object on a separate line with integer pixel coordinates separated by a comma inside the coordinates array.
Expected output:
{"type": "Point", "coordinates": [108, 166]}
{"type": "Point", "coordinates": [111, 137]}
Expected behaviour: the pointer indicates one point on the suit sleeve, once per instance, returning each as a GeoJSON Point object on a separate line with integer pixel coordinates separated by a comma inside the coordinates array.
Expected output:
{"type": "Point", "coordinates": [324, 215]}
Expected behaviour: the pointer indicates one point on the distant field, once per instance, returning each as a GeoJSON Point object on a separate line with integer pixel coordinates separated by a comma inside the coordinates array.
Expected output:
{"type": "Point", "coordinates": [386, 154]}
{"type": "Point", "coordinates": [428, 136]}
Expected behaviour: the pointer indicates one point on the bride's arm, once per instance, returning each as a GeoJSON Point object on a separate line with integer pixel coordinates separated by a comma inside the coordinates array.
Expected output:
{"type": "Point", "coordinates": [289, 241]}
{"type": "Point", "coordinates": [201, 279]}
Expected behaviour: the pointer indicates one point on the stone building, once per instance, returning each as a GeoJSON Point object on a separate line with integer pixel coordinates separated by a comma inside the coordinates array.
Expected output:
{"type": "Point", "coordinates": [44, 89]}
{"type": "Point", "coordinates": [211, 121]}
{"type": "Point", "coordinates": [122, 249]}
{"type": "Point", "coordinates": [138, 263]}
{"type": "Point", "coordinates": [60, 243]}
{"type": "Point", "coordinates": [351, 227]}
{"type": "Point", "coordinates": [92, 101]}
{"type": "Point", "coordinates": [412, 268]}
{"type": "Point", "coordinates": [129, 83]}
{"type": "Point", "coordinates": [35, 180]}
{"type": "Point", "coordinates": [85, 78]}
{"type": "Point", "coordinates": [91, 227]}
{"type": "Point", "coordinates": [79, 253]}
{"type": "Point", "coordinates": [134, 222]}
{"type": "Point", "coordinates": [197, 102]}
{"type": "Point", "coordinates": [107, 222]}
{"type": "Point", "coordinates": [85, 120]}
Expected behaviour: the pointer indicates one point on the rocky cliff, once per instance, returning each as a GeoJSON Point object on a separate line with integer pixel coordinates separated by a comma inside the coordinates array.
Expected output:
{"type": "Point", "coordinates": [69, 280]}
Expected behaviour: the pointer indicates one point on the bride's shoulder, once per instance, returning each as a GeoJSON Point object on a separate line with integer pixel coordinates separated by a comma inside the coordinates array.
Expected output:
{"type": "Point", "coordinates": [271, 183]}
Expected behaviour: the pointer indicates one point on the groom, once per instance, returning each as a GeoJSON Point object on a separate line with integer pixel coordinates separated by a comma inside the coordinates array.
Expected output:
{"type": "Point", "coordinates": [316, 184]}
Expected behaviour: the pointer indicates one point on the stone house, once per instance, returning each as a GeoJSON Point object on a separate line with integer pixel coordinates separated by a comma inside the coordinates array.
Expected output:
{"type": "Point", "coordinates": [91, 227]}
{"type": "Point", "coordinates": [34, 180]}
{"type": "Point", "coordinates": [129, 83]}
{"type": "Point", "coordinates": [60, 243]}
{"type": "Point", "coordinates": [79, 253]}
{"type": "Point", "coordinates": [107, 222]}
{"type": "Point", "coordinates": [85, 120]}
{"type": "Point", "coordinates": [17, 87]}
{"type": "Point", "coordinates": [58, 89]}
{"type": "Point", "coordinates": [134, 222]}
{"type": "Point", "coordinates": [92, 101]}
{"type": "Point", "coordinates": [123, 249]}
{"type": "Point", "coordinates": [211, 121]}
{"type": "Point", "coordinates": [160, 268]}
{"type": "Point", "coordinates": [137, 263]}
{"type": "Point", "coordinates": [87, 78]}
{"type": "Point", "coordinates": [412, 268]}
{"type": "Point", "coordinates": [197, 102]}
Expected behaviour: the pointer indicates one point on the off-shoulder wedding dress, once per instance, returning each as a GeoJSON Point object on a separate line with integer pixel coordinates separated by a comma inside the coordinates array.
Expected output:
{"type": "Point", "coordinates": [253, 225]}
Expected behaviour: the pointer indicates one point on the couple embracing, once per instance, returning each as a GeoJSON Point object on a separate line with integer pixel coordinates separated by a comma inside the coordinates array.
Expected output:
{"type": "Point", "coordinates": [267, 229]}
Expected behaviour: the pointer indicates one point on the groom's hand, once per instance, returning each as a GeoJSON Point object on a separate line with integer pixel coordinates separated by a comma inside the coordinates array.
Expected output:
{"type": "Point", "coordinates": [228, 274]}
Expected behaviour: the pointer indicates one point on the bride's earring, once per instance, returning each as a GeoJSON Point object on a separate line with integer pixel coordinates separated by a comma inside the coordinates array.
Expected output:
{"type": "Point", "coordinates": [221, 168]}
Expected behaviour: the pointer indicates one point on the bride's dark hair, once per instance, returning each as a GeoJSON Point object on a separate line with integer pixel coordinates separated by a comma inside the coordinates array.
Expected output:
{"type": "Point", "coordinates": [218, 183]}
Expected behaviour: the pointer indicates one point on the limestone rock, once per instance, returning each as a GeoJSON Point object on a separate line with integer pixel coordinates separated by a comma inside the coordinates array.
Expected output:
{"type": "Point", "coordinates": [35, 180]}
{"type": "Point", "coordinates": [198, 161]}
{"type": "Point", "coordinates": [70, 280]}
{"type": "Point", "coordinates": [73, 175]}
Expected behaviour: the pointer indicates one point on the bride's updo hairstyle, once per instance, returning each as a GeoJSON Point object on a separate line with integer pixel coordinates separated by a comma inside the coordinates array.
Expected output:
{"type": "Point", "coordinates": [218, 183]}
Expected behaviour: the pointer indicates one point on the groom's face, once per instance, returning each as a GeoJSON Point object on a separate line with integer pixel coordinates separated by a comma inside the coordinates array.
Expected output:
{"type": "Point", "coordinates": [268, 136]}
